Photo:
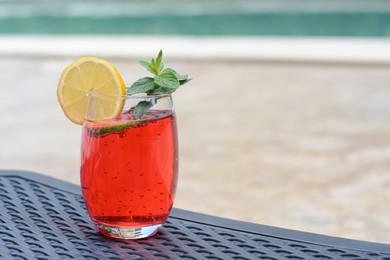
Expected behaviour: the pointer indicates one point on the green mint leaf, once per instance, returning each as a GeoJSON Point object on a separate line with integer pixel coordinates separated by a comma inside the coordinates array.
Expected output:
{"type": "Point", "coordinates": [183, 79]}
{"type": "Point", "coordinates": [167, 79]}
{"type": "Point", "coordinates": [178, 76]}
{"type": "Point", "coordinates": [142, 107]}
{"type": "Point", "coordinates": [156, 66]}
{"type": "Point", "coordinates": [162, 91]}
{"type": "Point", "coordinates": [142, 85]}
{"type": "Point", "coordinates": [147, 65]}
{"type": "Point", "coordinates": [159, 63]}
{"type": "Point", "coordinates": [153, 66]}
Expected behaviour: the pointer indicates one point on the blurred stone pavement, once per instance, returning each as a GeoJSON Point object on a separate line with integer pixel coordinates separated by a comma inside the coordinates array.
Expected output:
{"type": "Point", "coordinates": [297, 145]}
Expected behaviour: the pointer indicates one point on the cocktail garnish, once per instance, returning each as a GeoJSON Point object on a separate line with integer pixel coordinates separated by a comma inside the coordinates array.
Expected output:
{"type": "Point", "coordinates": [164, 82]}
{"type": "Point", "coordinates": [80, 79]}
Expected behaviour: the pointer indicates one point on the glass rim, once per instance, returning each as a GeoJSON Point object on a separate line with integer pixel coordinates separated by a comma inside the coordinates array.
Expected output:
{"type": "Point", "coordinates": [140, 96]}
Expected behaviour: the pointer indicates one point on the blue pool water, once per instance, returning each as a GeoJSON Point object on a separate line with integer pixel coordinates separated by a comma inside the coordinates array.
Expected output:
{"type": "Point", "coordinates": [202, 19]}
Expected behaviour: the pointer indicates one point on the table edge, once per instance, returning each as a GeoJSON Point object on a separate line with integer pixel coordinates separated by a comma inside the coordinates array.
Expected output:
{"type": "Point", "coordinates": [224, 223]}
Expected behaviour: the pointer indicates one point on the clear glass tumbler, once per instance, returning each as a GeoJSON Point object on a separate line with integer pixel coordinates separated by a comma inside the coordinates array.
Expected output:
{"type": "Point", "coordinates": [129, 164]}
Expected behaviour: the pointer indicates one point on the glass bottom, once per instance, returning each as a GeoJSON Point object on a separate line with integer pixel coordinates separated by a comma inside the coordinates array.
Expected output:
{"type": "Point", "coordinates": [128, 233]}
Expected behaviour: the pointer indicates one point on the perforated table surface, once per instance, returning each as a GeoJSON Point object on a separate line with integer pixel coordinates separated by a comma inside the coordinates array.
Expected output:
{"type": "Point", "coordinates": [45, 218]}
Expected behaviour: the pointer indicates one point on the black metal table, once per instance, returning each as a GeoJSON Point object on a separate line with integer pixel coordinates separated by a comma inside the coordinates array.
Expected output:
{"type": "Point", "coordinates": [45, 218]}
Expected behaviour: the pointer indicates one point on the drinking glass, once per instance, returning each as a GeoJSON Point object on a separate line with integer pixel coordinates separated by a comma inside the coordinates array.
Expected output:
{"type": "Point", "coordinates": [129, 165]}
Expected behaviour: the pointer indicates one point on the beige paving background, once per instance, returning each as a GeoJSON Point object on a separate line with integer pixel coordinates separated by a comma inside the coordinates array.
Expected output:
{"type": "Point", "coordinates": [298, 145]}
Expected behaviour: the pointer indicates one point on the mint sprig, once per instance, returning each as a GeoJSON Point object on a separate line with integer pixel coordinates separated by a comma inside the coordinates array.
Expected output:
{"type": "Point", "coordinates": [164, 81]}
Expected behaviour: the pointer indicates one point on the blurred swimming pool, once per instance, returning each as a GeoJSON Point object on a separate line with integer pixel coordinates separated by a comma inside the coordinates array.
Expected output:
{"type": "Point", "coordinates": [197, 18]}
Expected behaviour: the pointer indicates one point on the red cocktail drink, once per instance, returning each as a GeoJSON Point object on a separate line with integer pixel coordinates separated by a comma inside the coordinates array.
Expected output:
{"type": "Point", "coordinates": [129, 172]}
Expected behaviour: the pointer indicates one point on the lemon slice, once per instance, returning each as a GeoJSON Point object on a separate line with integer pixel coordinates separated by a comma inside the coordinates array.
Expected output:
{"type": "Point", "coordinates": [84, 76]}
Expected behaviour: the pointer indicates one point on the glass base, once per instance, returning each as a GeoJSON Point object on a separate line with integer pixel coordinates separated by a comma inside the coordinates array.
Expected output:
{"type": "Point", "coordinates": [128, 233]}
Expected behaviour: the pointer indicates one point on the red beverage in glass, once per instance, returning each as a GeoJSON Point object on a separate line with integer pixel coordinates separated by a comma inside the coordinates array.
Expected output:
{"type": "Point", "coordinates": [129, 172]}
